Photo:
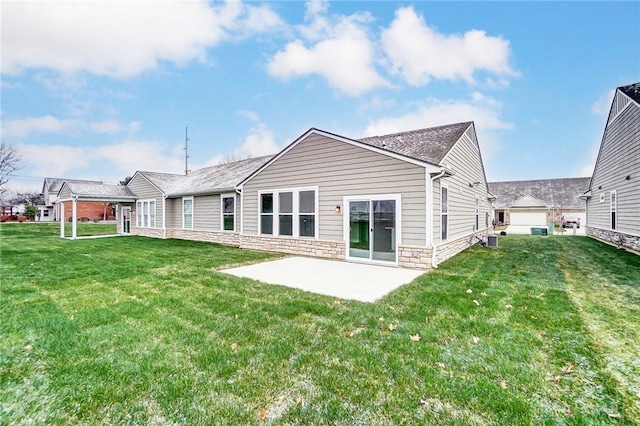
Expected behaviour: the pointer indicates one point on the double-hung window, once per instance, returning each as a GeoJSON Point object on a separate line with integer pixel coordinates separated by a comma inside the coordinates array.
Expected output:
{"type": "Point", "coordinates": [228, 212]}
{"type": "Point", "coordinates": [146, 213]}
{"type": "Point", "coordinates": [288, 212]}
{"type": "Point", "coordinates": [307, 210]}
{"type": "Point", "coordinates": [477, 224]}
{"type": "Point", "coordinates": [614, 208]}
{"type": "Point", "coordinates": [444, 213]}
{"type": "Point", "coordinates": [187, 212]}
{"type": "Point", "coordinates": [285, 213]}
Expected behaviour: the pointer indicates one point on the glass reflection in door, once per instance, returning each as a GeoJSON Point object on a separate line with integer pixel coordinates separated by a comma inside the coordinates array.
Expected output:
{"type": "Point", "coordinates": [384, 230]}
{"type": "Point", "coordinates": [359, 229]}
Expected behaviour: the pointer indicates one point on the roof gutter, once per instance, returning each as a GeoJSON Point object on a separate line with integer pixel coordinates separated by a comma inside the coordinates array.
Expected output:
{"type": "Point", "coordinates": [443, 172]}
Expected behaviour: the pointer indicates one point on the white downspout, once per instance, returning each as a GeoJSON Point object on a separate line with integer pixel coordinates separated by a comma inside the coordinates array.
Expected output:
{"type": "Point", "coordinates": [239, 192]}
{"type": "Point", "coordinates": [434, 262]}
{"type": "Point", "coordinates": [164, 216]}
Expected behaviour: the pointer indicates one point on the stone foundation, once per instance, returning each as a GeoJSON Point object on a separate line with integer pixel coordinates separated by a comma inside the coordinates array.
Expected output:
{"type": "Point", "coordinates": [226, 238]}
{"type": "Point", "coordinates": [298, 246]}
{"type": "Point", "coordinates": [450, 248]}
{"type": "Point", "coordinates": [414, 257]}
{"type": "Point", "coordinates": [629, 242]}
{"type": "Point", "coordinates": [147, 232]}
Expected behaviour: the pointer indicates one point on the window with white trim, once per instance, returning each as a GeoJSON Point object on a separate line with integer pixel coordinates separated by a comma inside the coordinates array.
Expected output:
{"type": "Point", "coordinates": [613, 202]}
{"type": "Point", "coordinates": [444, 213]}
{"type": "Point", "coordinates": [477, 223]}
{"type": "Point", "coordinates": [266, 213]}
{"type": "Point", "coordinates": [146, 213]}
{"type": "Point", "coordinates": [229, 212]}
{"type": "Point", "coordinates": [288, 212]}
{"type": "Point", "coordinates": [187, 212]}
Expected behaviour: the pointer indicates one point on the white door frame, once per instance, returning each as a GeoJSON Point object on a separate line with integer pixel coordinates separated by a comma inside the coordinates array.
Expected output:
{"type": "Point", "coordinates": [346, 227]}
{"type": "Point", "coordinates": [122, 219]}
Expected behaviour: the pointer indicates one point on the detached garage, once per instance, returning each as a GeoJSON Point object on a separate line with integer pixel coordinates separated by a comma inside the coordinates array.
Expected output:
{"type": "Point", "coordinates": [528, 219]}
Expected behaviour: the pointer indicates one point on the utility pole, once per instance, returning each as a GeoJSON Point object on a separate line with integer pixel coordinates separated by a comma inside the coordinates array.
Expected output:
{"type": "Point", "coordinates": [186, 151]}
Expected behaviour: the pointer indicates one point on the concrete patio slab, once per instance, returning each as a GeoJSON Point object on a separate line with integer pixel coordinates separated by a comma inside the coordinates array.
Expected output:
{"type": "Point", "coordinates": [343, 280]}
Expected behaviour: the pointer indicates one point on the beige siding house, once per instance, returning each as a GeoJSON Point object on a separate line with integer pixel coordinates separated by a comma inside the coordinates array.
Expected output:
{"type": "Point", "coordinates": [613, 196]}
{"type": "Point", "coordinates": [410, 199]}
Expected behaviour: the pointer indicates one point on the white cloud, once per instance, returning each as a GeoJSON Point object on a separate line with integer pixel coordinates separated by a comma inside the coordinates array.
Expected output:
{"type": "Point", "coordinates": [420, 53]}
{"type": "Point", "coordinates": [54, 160]}
{"type": "Point", "coordinates": [113, 126]}
{"type": "Point", "coordinates": [260, 141]}
{"type": "Point", "coordinates": [484, 110]}
{"type": "Point", "coordinates": [340, 51]}
{"type": "Point", "coordinates": [121, 39]}
{"type": "Point", "coordinates": [602, 106]}
{"type": "Point", "coordinates": [23, 127]}
{"type": "Point", "coordinates": [132, 155]}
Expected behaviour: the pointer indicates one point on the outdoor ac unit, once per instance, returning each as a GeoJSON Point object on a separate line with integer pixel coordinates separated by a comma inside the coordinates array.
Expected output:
{"type": "Point", "coordinates": [492, 241]}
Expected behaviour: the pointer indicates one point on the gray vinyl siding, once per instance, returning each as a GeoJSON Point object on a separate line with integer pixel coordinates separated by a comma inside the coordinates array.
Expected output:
{"type": "Point", "coordinates": [144, 190]}
{"type": "Point", "coordinates": [174, 213]}
{"type": "Point", "coordinates": [65, 193]}
{"type": "Point", "coordinates": [465, 161]}
{"type": "Point", "coordinates": [339, 169]}
{"type": "Point", "coordinates": [206, 213]}
{"type": "Point", "coordinates": [619, 157]}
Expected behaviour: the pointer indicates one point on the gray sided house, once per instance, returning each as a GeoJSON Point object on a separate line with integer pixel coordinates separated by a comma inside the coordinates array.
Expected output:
{"type": "Point", "coordinates": [537, 203]}
{"type": "Point", "coordinates": [613, 195]}
{"type": "Point", "coordinates": [410, 199]}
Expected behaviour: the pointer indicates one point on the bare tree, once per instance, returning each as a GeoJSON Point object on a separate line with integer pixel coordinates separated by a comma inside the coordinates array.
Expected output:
{"type": "Point", "coordinates": [9, 162]}
{"type": "Point", "coordinates": [29, 198]}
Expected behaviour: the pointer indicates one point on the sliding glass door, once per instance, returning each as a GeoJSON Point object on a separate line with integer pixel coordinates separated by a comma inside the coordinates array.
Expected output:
{"type": "Point", "coordinates": [372, 229]}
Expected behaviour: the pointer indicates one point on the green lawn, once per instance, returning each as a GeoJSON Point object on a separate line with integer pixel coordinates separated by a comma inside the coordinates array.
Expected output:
{"type": "Point", "coordinates": [542, 330]}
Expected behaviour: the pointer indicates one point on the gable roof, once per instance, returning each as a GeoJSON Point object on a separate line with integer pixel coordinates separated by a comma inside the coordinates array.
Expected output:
{"type": "Point", "coordinates": [165, 182]}
{"type": "Point", "coordinates": [552, 193]}
{"type": "Point", "coordinates": [632, 91]}
{"type": "Point", "coordinates": [97, 190]}
{"type": "Point", "coordinates": [222, 177]}
{"type": "Point", "coordinates": [528, 201]}
{"type": "Point", "coordinates": [424, 147]}
{"type": "Point", "coordinates": [53, 185]}
{"type": "Point", "coordinates": [430, 144]}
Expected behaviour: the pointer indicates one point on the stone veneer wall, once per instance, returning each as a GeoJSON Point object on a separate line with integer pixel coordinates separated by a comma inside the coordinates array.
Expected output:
{"type": "Point", "coordinates": [451, 248]}
{"type": "Point", "coordinates": [227, 238]}
{"type": "Point", "coordinates": [630, 242]}
{"type": "Point", "coordinates": [414, 257]}
{"type": "Point", "coordinates": [147, 232]}
{"type": "Point", "coordinates": [302, 246]}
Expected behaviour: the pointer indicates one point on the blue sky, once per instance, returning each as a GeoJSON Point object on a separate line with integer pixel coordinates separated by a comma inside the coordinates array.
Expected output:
{"type": "Point", "coordinates": [98, 90]}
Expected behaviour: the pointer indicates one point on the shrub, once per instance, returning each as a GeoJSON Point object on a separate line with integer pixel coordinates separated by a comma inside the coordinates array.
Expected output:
{"type": "Point", "coordinates": [22, 218]}
{"type": "Point", "coordinates": [5, 218]}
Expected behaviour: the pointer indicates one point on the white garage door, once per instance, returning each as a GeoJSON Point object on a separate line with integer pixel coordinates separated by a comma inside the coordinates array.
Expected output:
{"type": "Point", "coordinates": [529, 219]}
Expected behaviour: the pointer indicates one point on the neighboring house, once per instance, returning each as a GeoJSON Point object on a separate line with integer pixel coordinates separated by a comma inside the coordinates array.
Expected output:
{"type": "Point", "coordinates": [411, 199]}
{"type": "Point", "coordinates": [613, 195]}
{"type": "Point", "coordinates": [536, 203]}
{"type": "Point", "coordinates": [51, 188]}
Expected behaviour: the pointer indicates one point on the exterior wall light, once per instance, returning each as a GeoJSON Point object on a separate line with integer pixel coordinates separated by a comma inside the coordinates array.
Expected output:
{"type": "Point", "coordinates": [338, 209]}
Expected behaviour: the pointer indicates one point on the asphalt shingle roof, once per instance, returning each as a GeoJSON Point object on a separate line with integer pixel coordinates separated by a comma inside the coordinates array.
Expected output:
{"type": "Point", "coordinates": [54, 184]}
{"type": "Point", "coordinates": [165, 182]}
{"type": "Point", "coordinates": [99, 190]}
{"type": "Point", "coordinates": [632, 91]}
{"type": "Point", "coordinates": [554, 193]}
{"type": "Point", "coordinates": [430, 144]}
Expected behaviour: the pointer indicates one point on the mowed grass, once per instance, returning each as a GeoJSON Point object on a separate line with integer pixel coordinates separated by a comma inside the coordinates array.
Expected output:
{"type": "Point", "coordinates": [542, 330]}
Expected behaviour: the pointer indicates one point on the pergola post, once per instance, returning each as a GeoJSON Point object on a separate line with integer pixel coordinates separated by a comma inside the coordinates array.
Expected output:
{"type": "Point", "coordinates": [74, 222]}
{"type": "Point", "coordinates": [61, 218]}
